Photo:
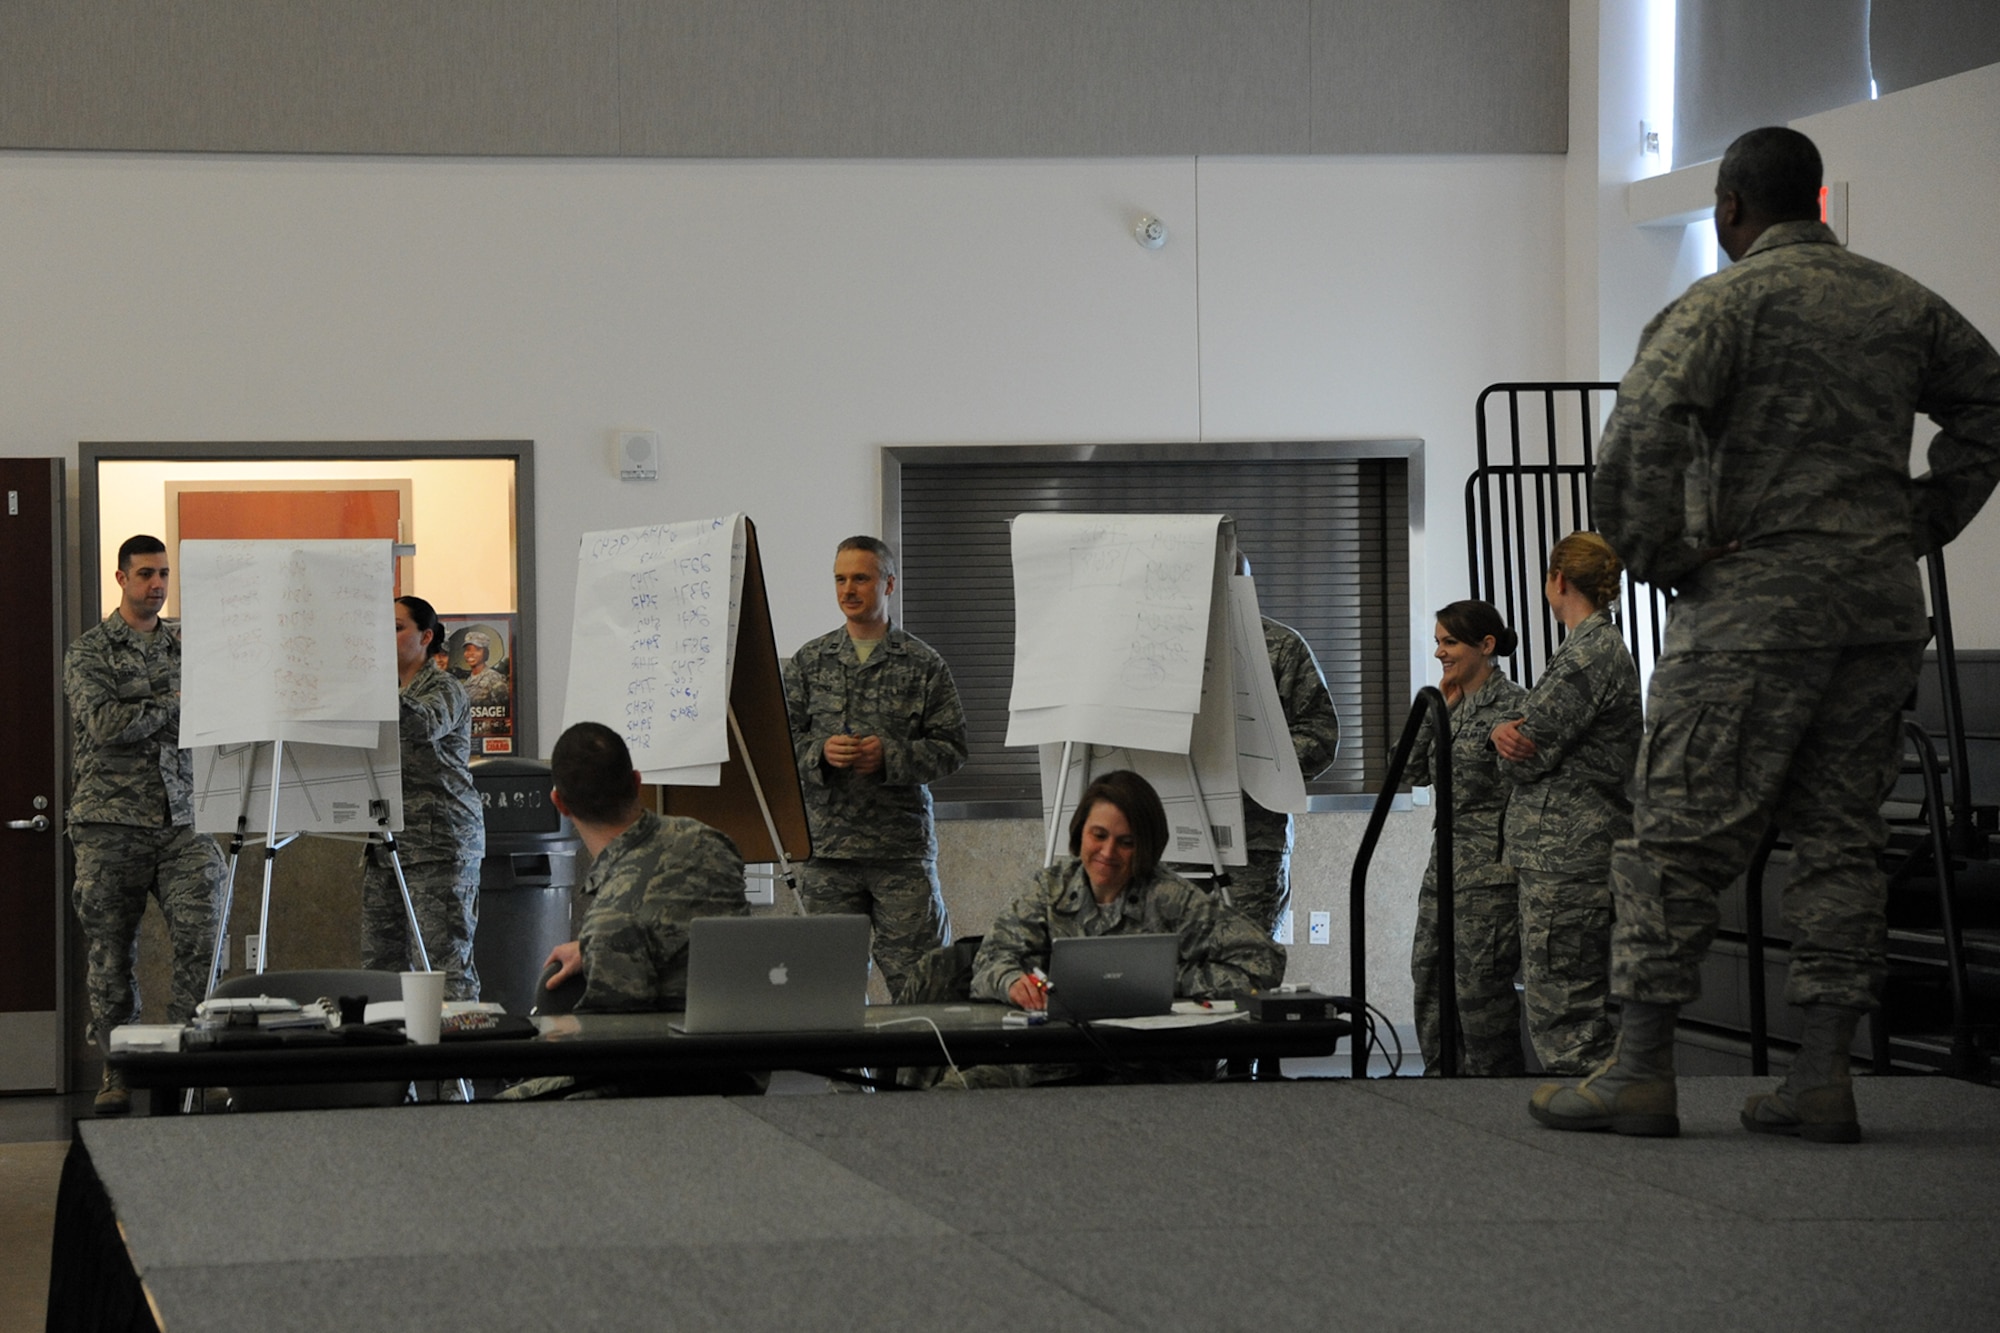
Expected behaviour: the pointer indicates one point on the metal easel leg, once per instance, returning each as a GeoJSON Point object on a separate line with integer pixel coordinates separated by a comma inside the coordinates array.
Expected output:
{"type": "Point", "coordinates": [785, 866]}
{"type": "Point", "coordinates": [1055, 811]}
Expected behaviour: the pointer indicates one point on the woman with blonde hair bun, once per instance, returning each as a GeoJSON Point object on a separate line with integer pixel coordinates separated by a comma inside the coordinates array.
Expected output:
{"type": "Point", "coordinates": [1570, 758]}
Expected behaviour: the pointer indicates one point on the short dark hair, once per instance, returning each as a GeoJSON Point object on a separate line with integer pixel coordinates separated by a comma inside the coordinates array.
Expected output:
{"type": "Point", "coordinates": [885, 559]}
{"type": "Point", "coordinates": [425, 617]}
{"type": "Point", "coordinates": [593, 771]}
{"type": "Point", "coordinates": [1775, 171]}
{"type": "Point", "coordinates": [1471, 621]}
{"type": "Point", "coordinates": [139, 545]}
{"type": "Point", "coordinates": [1140, 804]}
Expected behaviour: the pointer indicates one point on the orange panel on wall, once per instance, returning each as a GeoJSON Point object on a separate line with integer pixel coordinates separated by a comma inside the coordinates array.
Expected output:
{"type": "Point", "coordinates": [299, 515]}
{"type": "Point", "coordinates": [305, 515]}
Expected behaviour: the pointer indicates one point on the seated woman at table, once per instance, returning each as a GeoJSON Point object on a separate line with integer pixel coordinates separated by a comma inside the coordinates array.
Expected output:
{"type": "Point", "coordinates": [1112, 883]}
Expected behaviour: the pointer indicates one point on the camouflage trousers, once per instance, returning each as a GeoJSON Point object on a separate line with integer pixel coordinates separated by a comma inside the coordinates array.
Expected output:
{"type": "Point", "coordinates": [1262, 890]}
{"type": "Point", "coordinates": [1566, 968]}
{"type": "Point", "coordinates": [1487, 936]}
{"type": "Point", "coordinates": [902, 899]}
{"type": "Point", "coordinates": [445, 895]}
{"type": "Point", "coordinates": [1810, 739]}
{"type": "Point", "coordinates": [117, 867]}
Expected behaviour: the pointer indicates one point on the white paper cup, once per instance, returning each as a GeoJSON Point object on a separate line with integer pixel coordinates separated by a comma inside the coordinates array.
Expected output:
{"type": "Point", "coordinates": [423, 1006]}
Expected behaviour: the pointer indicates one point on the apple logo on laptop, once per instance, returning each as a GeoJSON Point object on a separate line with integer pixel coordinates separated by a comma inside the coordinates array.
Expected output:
{"type": "Point", "coordinates": [778, 975]}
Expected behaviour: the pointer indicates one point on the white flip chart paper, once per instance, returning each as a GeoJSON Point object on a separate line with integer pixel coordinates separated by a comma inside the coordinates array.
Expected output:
{"type": "Point", "coordinates": [1266, 760]}
{"type": "Point", "coordinates": [321, 788]}
{"type": "Point", "coordinates": [286, 640]}
{"type": "Point", "coordinates": [654, 642]}
{"type": "Point", "coordinates": [1111, 623]}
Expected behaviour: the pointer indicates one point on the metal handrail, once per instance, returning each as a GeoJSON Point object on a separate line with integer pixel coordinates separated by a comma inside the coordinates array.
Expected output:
{"type": "Point", "coordinates": [1430, 699]}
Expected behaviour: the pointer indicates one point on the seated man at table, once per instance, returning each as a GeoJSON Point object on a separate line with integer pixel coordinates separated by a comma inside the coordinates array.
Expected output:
{"type": "Point", "coordinates": [649, 877]}
{"type": "Point", "coordinates": [1112, 883]}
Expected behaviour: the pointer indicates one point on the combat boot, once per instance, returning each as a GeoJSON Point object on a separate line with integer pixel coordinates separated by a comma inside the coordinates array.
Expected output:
{"type": "Point", "coordinates": [1630, 1093]}
{"type": "Point", "coordinates": [1816, 1100]}
{"type": "Point", "coordinates": [112, 1097]}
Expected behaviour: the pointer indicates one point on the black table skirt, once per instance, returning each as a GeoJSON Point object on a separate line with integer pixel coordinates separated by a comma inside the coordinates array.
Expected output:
{"type": "Point", "coordinates": [92, 1285]}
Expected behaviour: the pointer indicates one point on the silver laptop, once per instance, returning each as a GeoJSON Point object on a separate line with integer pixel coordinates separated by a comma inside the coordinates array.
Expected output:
{"type": "Point", "coordinates": [776, 974]}
{"type": "Point", "coordinates": [1112, 976]}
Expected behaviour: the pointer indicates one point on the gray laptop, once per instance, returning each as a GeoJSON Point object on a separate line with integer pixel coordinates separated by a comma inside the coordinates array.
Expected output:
{"type": "Point", "coordinates": [776, 974]}
{"type": "Point", "coordinates": [1112, 976]}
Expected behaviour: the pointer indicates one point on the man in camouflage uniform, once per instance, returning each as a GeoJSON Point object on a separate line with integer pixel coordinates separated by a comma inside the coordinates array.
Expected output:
{"type": "Point", "coordinates": [650, 875]}
{"type": "Point", "coordinates": [874, 717]}
{"type": "Point", "coordinates": [131, 816]}
{"type": "Point", "coordinates": [1262, 890]}
{"type": "Point", "coordinates": [1758, 464]}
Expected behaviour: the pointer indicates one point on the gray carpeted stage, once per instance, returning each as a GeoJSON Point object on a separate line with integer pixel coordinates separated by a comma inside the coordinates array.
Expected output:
{"type": "Point", "coordinates": [1322, 1204]}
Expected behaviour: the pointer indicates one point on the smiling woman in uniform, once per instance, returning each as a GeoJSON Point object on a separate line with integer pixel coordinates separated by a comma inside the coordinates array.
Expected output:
{"type": "Point", "coordinates": [1112, 883]}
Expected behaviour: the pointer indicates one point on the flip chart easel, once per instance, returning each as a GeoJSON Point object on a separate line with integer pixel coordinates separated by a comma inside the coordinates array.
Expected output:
{"type": "Point", "coordinates": [1139, 647]}
{"type": "Point", "coordinates": [699, 700]}
{"type": "Point", "coordinates": [761, 772]}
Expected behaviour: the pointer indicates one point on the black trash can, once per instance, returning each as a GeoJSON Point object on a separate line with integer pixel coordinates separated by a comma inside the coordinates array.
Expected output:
{"type": "Point", "coordinates": [532, 855]}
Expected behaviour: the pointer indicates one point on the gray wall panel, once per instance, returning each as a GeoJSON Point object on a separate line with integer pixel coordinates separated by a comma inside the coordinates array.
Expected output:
{"type": "Point", "coordinates": [1440, 76]}
{"type": "Point", "coordinates": [311, 76]}
{"type": "Point", "coordinates": [978, 78]}
{"type": "Point", "coordinates": [785, 78]}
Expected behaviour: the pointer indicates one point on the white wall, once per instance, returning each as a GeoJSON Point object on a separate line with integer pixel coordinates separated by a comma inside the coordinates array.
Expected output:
{"type": "Point", "coordinates": [1922, 168]}
{"type": "Point", "coordinates": [1923, 174]}
{"type": "Point", "coordinates": [777, 322]}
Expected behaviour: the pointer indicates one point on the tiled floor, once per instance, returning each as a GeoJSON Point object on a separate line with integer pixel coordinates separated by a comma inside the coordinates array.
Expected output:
{"type": "Point", "coordinates": [34, 1137]}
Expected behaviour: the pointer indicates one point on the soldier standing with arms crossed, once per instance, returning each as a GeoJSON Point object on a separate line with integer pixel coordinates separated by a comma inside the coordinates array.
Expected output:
{"type": "Point", "coordinates": [131, 816]}
{"type": "Point", "coordinates": [1758, 463]}
{"type": "Point", "coordinates": [874, 717]}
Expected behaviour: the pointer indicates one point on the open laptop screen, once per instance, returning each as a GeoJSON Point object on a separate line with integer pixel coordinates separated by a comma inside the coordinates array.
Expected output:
{"type": "Point", "coordinates": [776, 974]}
{"type": "Point", "coordinates": [1112, 976]}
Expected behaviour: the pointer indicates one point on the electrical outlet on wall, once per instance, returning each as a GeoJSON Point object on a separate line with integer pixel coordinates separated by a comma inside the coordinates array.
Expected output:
{"type": "Point", "coordinates": [1319, 929]}
{"type": "Point", "coordinates": [253, 946]}
{"type": "Point", "coordinates": [1283, 932]}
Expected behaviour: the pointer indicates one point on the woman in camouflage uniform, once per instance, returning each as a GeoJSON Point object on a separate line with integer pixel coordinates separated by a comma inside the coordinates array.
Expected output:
{"type": "Point", "coordinates": [1487, 931]}
{"type": "Point", "coordinates": [1570, 759]}
{"type": "Point", "coordinates": [1112, 883]}
{"type": "Point", "coordinates": [444, 830]}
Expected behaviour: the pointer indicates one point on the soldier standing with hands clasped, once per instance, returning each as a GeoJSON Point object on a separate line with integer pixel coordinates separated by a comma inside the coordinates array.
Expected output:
{"type": "Point", "coordinates": [874, 716]}
{"type": "Point", "coordinates": [131, 816]}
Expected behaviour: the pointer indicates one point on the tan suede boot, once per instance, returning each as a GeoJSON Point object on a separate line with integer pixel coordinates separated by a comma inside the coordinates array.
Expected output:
{"type": "Point", "coordinates": [1630, 1093]}
{"type": "Point", "coordinates": [112, 1097]}
{"type": "Point", "coordinates": [1816, 1100]}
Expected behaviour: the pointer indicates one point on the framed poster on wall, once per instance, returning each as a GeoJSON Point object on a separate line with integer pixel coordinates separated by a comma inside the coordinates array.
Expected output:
{"type": "Point", "coordinates": [479, 652]}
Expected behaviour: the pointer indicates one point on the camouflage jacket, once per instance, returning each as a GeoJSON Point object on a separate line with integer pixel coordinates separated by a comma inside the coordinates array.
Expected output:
{"type": "Point", "coordinates": [1478, 792]}
{"type": "Point", "coordinates": [125, 720]}
{"type": "Point", "coordinates": [902, 693]}
{"type": "Point", "coordinates": [1221, 952]}
{"type": "Point", "coordinates": [1772, 406]}
{"type": "Point", "coordinates": [644, 887]}
{"type": "Point", "coordinates": [1310, 717]}
{"type": "Point", "coordinates": [442, 818]}
{"type": "Point", "coordinates": [1570, 801]}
